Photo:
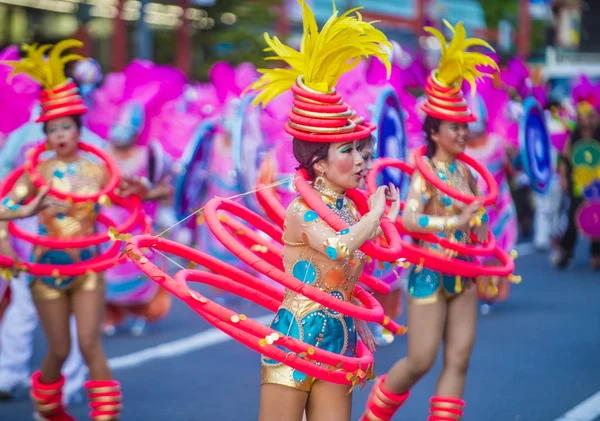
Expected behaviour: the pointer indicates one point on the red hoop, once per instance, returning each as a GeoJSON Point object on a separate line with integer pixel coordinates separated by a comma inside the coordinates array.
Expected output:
{"type": "Point", "coordinates": [381, 163]}
{"type": "Point", "coordinates": [112, 167]}
{"type": "Point", "coordinates": [235, 246]}
{"type": "Point", "coordinates": [434, 180]}
{"type": "Point", "coordinates": [247, 331]}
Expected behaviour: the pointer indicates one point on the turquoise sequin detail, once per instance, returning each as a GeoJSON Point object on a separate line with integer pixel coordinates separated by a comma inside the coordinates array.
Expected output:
{"type": "Point", "coordinates": [339, 203]}
{"type": "Point", "coordinates": [286, 324]}
{"type": "Point", "coordinates": [56, 257]}
{"type": "Point", "coordinates": [344, 231]}
{"type": "Point", "coordinates": [331, 252]}
{"type": "Point", "coordinates": [58, 174]}
{"type": "Point", "coordinates": [310, 216]}
{"type": "Point", "coordinates": [423, 221]}
{"type": "Point", "coordinates": [305, 272]}
{"type": "Point", "coordinates": [441, 175]}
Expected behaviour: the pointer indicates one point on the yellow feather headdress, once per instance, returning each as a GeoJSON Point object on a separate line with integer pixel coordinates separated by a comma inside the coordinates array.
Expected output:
{"type": "Point", "coordinates": [50, 72]}
{"type": "Point", "coordinates": [324, 55]}
{"type": "Point", "coordinates": [59, 96]}
{"type": "Point", "coordinates": [458, 64]}
{"type": "Point", "coordinates": [444, 85]}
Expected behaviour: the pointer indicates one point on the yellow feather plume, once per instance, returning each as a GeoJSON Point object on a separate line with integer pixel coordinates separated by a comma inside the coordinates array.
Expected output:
{"type": "Point", "coordinates": [324, 56]}
{"type": "Point", "coordinates": [49, 72]}
{"type": "Point", "coordinates": [456, 63]}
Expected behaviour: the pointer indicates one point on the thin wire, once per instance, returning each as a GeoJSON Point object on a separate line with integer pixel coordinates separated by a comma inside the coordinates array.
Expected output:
{"type": "Point", "coordinates": [237, 196]}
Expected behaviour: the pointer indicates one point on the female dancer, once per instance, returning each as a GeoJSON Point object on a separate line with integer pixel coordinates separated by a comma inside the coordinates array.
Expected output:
{"type": "Point", "coordinates": [440, 306]}
{"type": "Point", "coordinates": [56, 297]}
{"type": "Point", "coordinates": [314, 253]}
{"type": "Point", "coordinates": [392, 302]}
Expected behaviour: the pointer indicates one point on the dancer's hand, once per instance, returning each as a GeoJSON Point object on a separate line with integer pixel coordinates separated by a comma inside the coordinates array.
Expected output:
{"type": "Point", "coordinates": [481, 232]}
{"type": "Point", "coordinates": [38, 203]}
{"type": "Point", "coordinates": [394, 197]}
{"type": "Point", "coordinates": [366, 335]}
{"type": "Point", "coordinates": [377, 201]}
{"type": "Point", "coordinates": [137, 186]}
{"type": "Point", "coordinates": [467, 214]}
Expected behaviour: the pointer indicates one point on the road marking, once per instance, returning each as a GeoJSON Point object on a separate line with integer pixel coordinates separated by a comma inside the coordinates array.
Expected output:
{"type": "Point", "coordinates": [588, 410]}
{"type": "Point", "coordinates": [176, 348]}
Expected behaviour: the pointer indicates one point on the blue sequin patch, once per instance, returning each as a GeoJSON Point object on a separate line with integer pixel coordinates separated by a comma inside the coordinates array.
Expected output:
{"type": "Point", "coordinates": [344, 231]}
{"type": "Point", "coordinates": [85, 254]}
{"type": "Point", "coordinates": [458, 235]}
{"type": "Point", "coordinates": [58, 174]}
{"type": "Point", "coordinates": [446, 201]}
{"type": "Point", "coordinates": [286, 324]}
{"type": "Point", "coordinates": [310, 216]}
{"type": "Point", "coordinates": [339, 203]}
{"type": "Point", "coordinates": [57, 258]}
{"type": "Point", "coordinates": [60, 216]}
{"type": "Point", "coordinates": [424, 283]}
{"type": "Point", "coordinates": [424, 199]}
{"type": "Point", "coordinates": [323, 331]}
{"type": "Point", "coordinates": [298, 376]}
{"type": "Point", "coordinates": [452, 167]}
{"type": "Point", "coordinates": [72, 168]}
{"type": "Point", "coordinates": [423, 221]}
{"type": "Point", "coordinates": [340, 296]}
{"type": "Point", "coordinates": [331, 253]}
{"type": "Point", "coordinates": [305, 272]}
{"type": "Point", "coordinates": [441, 175]}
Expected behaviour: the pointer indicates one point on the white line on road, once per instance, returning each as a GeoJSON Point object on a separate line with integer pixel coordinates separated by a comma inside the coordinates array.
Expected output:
{"type": "Point", "coordinates": [588, 410]}
{"type": "Point", "coordinates": [172, 349]}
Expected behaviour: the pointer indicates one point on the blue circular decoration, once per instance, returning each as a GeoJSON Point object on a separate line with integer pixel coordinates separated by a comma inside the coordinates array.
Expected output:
{"type": "Point", "coordinates": [190, 184]}
{"type": "Point", "coordinates": [310, 216]}
{"type": "Point", "coordinates": [390, 134]}
{"type": "Point", "coordinates": [299, 376]}
{"type": "Point", "coordinates": [305, 272]}
{"type": "Point", "coordinates": [592, 191]}
{"type": "Point", "coordinates": [58, 258]}
{"type": "Point", "coordinates": [344, 231]}
{"type": "Point", "coordinates": [331, 252]}
{"type": "Point", "coordinates": [248, 147]}
{"type": "Point", "coordinates": [536, 147]}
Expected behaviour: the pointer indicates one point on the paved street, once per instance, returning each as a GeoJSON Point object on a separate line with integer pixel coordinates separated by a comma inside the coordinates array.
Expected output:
{"type": "Point", "coordinates": [537, 357]}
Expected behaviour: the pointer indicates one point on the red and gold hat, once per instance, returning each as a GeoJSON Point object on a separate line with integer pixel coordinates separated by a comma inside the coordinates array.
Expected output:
{"type": "Point", "coordinates": [443, 88]}
{"type": "Point", "coordinates": [59, 96]}
{"type": "Point", "coordinates": [319, 113]}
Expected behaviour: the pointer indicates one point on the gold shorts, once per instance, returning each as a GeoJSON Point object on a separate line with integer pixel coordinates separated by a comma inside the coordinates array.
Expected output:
{"type": "Point", "coordinates": [41, 291]}
{"type": "Point", "coordinates": [283, 375]}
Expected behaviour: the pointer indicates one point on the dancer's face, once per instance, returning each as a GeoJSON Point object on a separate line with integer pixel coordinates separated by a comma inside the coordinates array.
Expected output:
{"type": "Point", "coordinates": [366, 151]}
{"type": "Point", "coordinates": [63, 136]}
{"type": "Point", "coordinates": [451, 138]}
{"type": "Point", "coordinates": [343, 169]}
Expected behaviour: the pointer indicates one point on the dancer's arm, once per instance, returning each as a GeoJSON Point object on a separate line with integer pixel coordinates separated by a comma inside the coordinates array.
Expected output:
{"type": "Point", "coordinates": [316, 233]}
{"type": "Point", "coordinates": [416, 220]}
{"type": "Point", "coordinates": [11, 207]}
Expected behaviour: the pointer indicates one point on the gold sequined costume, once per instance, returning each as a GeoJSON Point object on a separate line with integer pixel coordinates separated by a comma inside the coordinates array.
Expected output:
{"type": "Point", "coordinates": [433, 210]}
{"type": "Point", "coordinates": [65, 220]}
{"type": "Point", "coordinates": [317, 255]}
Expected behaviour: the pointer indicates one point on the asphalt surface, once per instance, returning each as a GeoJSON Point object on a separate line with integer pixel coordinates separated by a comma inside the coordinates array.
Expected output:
{"type": "Point", "coordinates": [536, 357]}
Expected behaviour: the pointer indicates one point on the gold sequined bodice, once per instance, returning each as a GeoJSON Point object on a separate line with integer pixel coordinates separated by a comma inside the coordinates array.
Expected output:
{"type": "Point", "coordinates": [315, 254]}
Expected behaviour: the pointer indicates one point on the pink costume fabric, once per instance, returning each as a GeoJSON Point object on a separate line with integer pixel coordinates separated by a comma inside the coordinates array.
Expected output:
{"type": "Point", "coordinates": [123, 106]}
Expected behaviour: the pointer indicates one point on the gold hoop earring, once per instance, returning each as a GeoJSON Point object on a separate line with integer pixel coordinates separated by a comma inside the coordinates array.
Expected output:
{"type": "Point", "coordinates": [320, 180]}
